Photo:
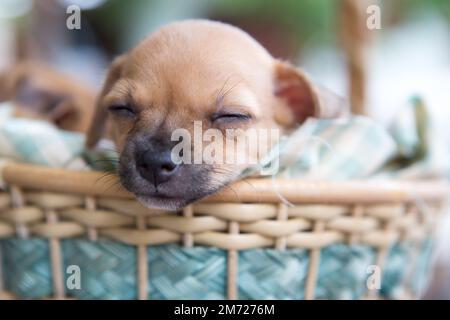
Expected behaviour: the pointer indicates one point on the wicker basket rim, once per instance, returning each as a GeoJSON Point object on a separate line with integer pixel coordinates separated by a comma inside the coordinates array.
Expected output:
{"type": "Point", "coordinates": [257, 190]}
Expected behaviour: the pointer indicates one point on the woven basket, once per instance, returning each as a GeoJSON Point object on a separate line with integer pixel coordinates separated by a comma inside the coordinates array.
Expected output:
{"type": "Point", "coordinates": [241, 243]}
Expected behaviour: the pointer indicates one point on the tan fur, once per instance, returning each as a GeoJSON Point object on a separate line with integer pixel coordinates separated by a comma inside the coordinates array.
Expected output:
{"type": "Point", "coordinates": [177, 75]}
{"type": "Point", "coordinates": [74, 104]}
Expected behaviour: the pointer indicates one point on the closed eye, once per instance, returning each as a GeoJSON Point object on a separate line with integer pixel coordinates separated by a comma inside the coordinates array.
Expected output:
{"type": "Point", "coordinates": [230, 117]}
{"type": "Point", "coordinates": [122, 110]}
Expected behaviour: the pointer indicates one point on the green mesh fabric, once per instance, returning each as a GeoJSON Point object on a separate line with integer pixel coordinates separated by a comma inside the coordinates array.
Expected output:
{"type": "Point", "coordinates": [343, 271]}
{"type": "Point", "coordinates": [187, 273]}
{"type": "Point", "coordinates": [272, 274]}
{"type": "Point", "coordinates": [397, 266]}
{"type": "Point", "coordinates": [108, 270]}
{"type": "Point", "coordinates": [421, 276]}
{"type": "Point", "coordinates": [26, 268]}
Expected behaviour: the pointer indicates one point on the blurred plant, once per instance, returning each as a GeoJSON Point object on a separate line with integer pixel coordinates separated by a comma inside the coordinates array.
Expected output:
{"type": "Point", "coordinates": [310, 22]}
{"type": "Point", "coordinates": [308, 19]}
{"type": "Point", "coordinates": [412, 8]}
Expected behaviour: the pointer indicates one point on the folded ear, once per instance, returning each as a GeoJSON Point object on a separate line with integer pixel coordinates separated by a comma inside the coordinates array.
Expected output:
{"type": "Point", "coordinates": [10, 80]}
{"type": "Point", "coordinates": [98, 124]}
{"type": "Point", "coordinates": [304, 98]}
{"type": "Point", "coordinates": [63, 111]}
{"type": "Point", "coordinates": [5, 87]}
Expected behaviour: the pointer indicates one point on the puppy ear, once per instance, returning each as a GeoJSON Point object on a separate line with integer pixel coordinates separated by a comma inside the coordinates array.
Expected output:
{"type": "Point", "coordinates": [98, 124]}
{"type": "Point", "coordinates": [304, 98]}
{"type": "Point", "coordinates": [63, 111]}
{"type": "Point", "coordinates": [5, 87]}
{"type": "Point", "coordinates": [10, 80]}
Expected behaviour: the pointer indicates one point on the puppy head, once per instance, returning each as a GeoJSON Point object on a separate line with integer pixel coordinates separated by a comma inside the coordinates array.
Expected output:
{"type": "Point", "coordinates": [40, 92]}
{"type": "Point", "coordinates": [188, 75]}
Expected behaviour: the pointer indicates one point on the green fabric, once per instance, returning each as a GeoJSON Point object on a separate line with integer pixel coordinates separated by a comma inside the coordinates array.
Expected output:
{"type": "Point", "coordinates": [343, 271]}
{"type": "Point", "coordinates": [358, 147]}
{"type": "Point", "coordinates": [421, 275]}
{"type": "Point", "coordinates": [396, 269]}
{"type": "Point", "coordinates": [272, 274]}
{"type": "Point", "coordinates": [179, 273]}
{"type": "Point", "coordinates": [108, 270]}
{"type": "Point", "coordinates": [26, 268]}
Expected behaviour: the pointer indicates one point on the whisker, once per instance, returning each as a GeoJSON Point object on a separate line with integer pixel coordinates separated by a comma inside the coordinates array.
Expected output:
{"type": "Point", "coordinates": [116, 184]}
{"type": "Point", "coordinates": [108, 149]}
{"type": "Point", "coordinates": [106, 160]}
{"type": "Point", "coordinates": [111, 175]}
{"type": "Point", "coordinates": [219, 94]}
{"type": "Point", "coordinates": [225, 186]}
{"type": "Point", "coordinates": [230, 89]}
{"type": "Point", "coordinates": [251, 185]}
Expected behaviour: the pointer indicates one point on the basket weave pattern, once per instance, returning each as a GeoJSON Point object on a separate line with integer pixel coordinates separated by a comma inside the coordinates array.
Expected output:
{"type": "Point", "coordinates": [233, 226]}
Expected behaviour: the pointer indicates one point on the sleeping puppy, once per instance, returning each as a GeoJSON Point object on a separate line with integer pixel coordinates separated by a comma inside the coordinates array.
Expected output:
{"type": "Point", "coordinates": [40, 92]}
{"type": "Point", "coordinates": [197, 71]}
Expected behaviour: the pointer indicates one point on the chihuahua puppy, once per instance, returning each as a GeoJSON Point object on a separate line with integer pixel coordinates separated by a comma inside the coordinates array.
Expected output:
{"type": "Point", "coordinates": [39, 92]}
{"type": "Point", "coordinates": [197, 70]}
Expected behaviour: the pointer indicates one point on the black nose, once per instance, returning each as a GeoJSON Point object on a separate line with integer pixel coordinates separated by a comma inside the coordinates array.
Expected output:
{"type": "Point", "coordinates": [156, 167]}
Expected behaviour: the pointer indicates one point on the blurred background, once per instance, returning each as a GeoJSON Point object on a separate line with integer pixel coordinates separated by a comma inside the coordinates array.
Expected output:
{"type": "Point", "coordinates": [409, 55]}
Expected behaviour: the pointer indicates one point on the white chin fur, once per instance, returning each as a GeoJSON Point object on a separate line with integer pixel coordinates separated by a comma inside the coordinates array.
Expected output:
{"type": "Point", "coordinates": [161, 203]}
